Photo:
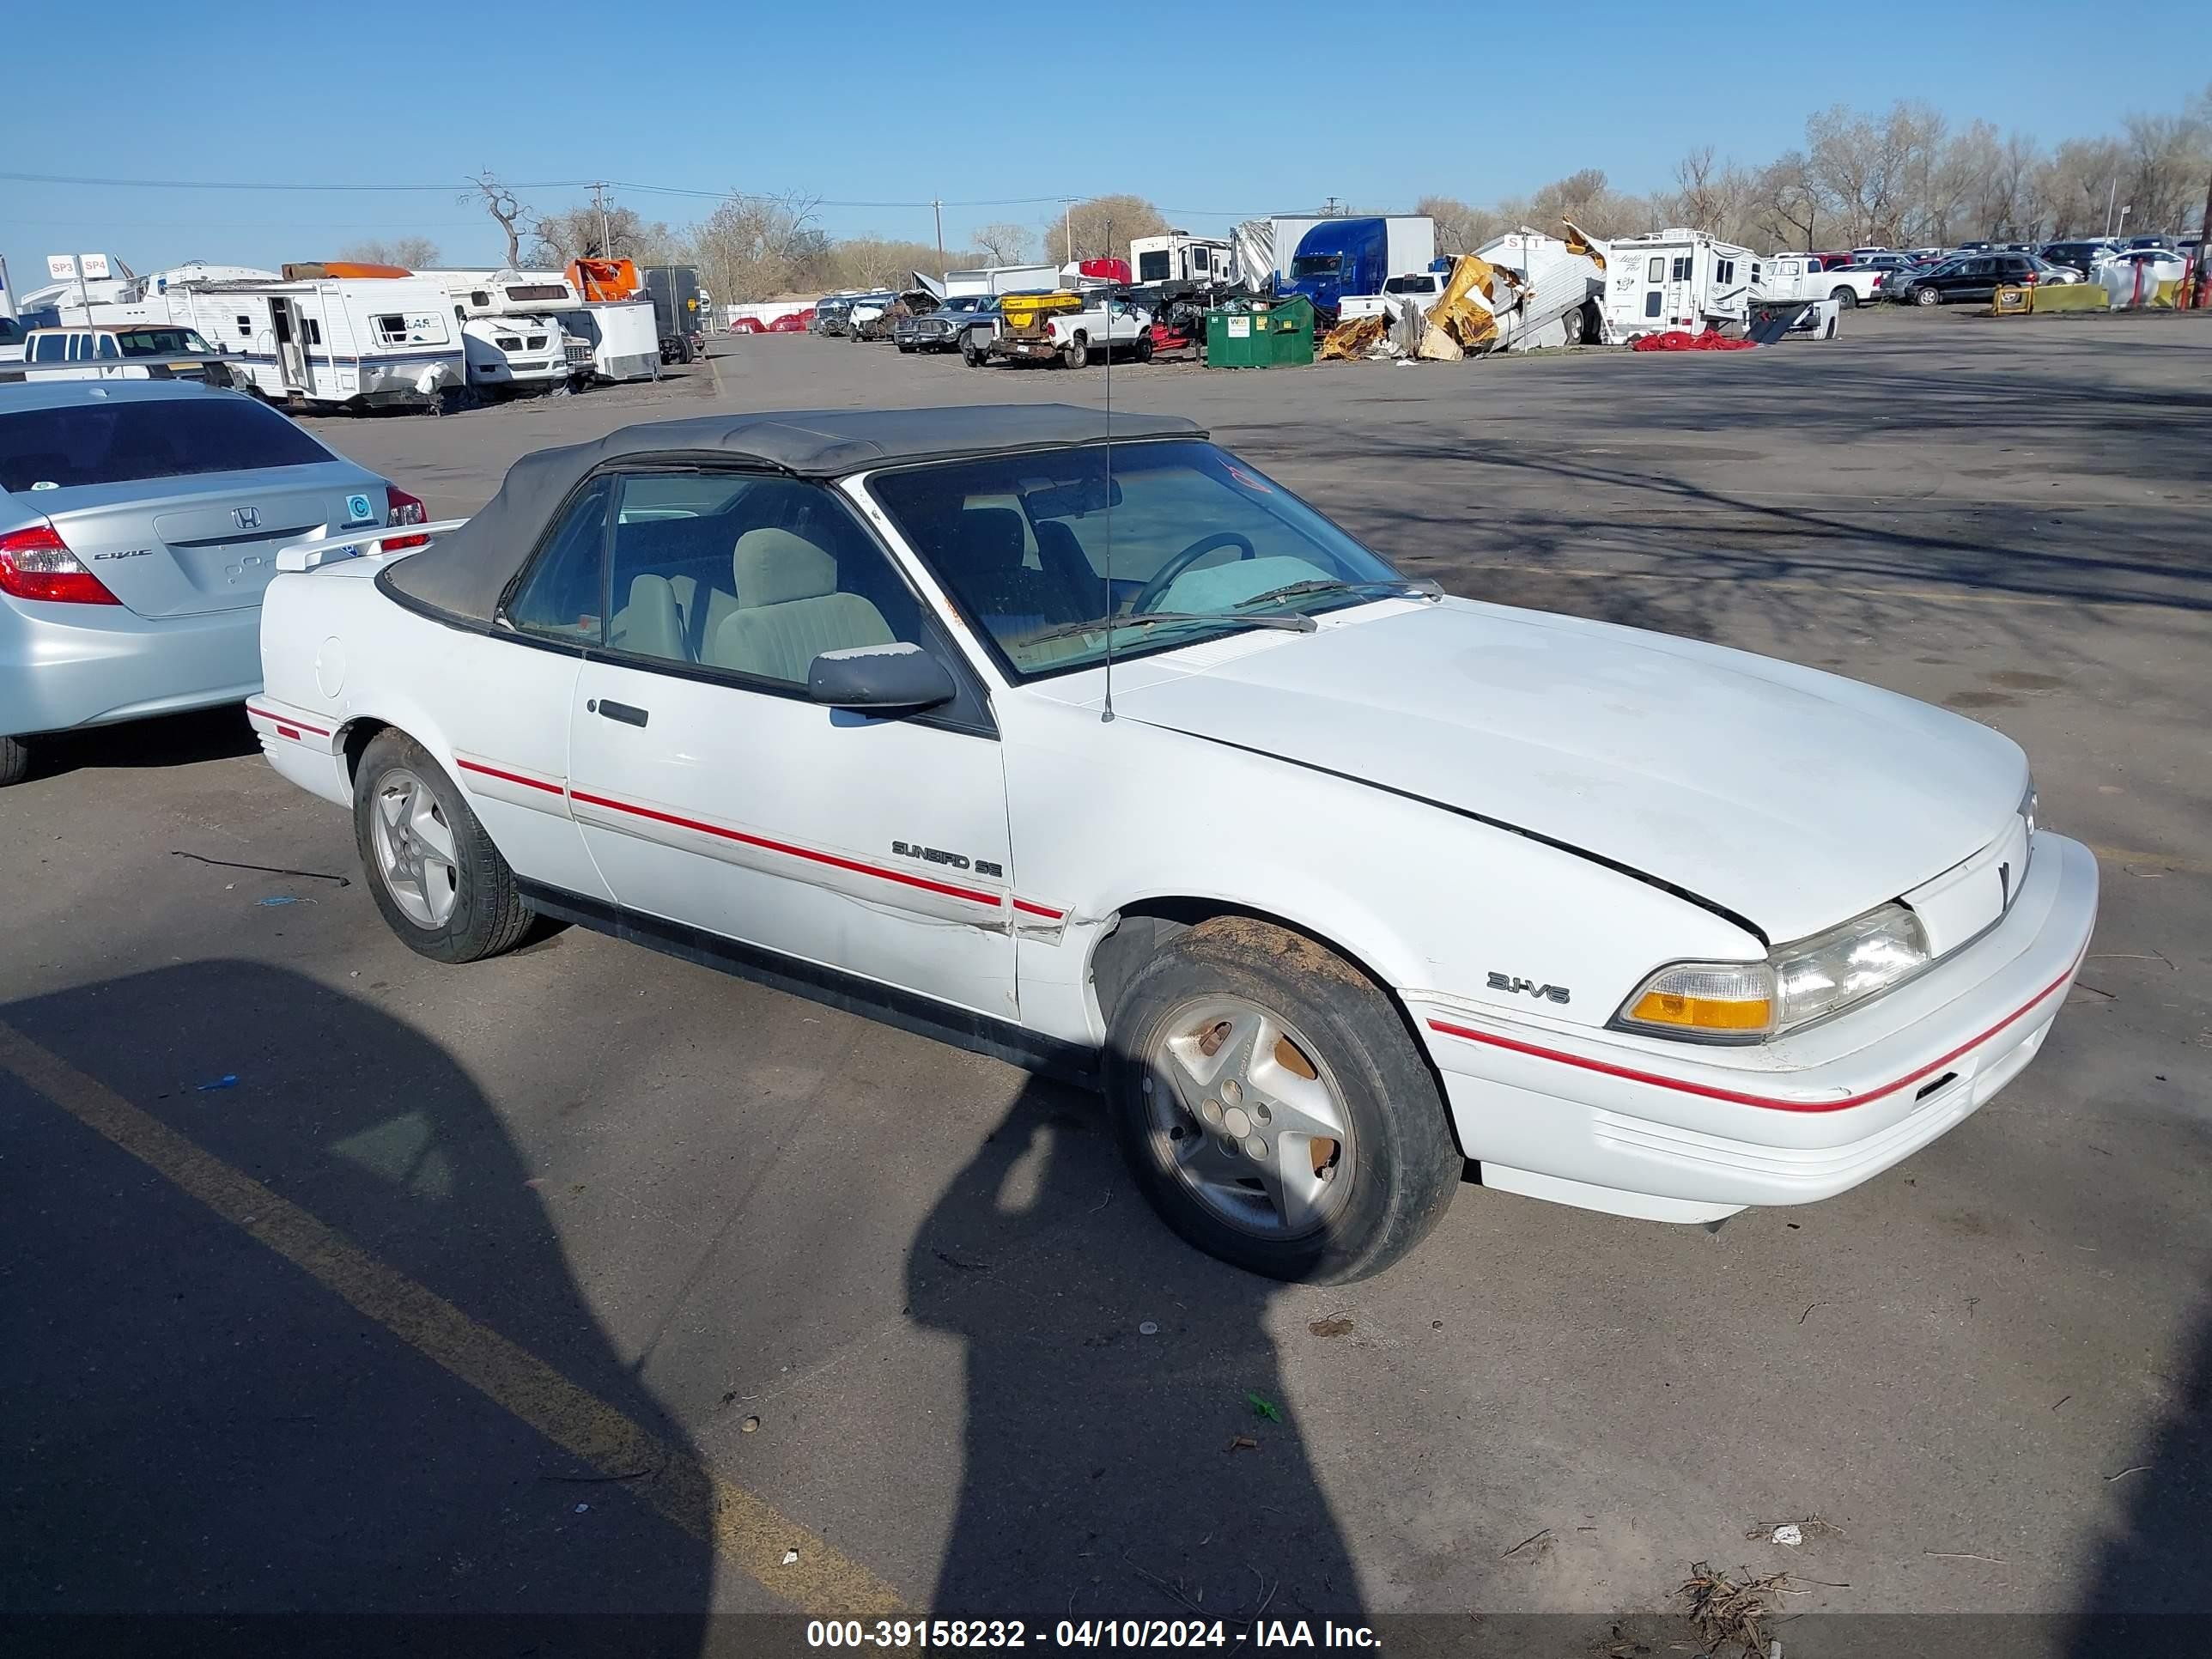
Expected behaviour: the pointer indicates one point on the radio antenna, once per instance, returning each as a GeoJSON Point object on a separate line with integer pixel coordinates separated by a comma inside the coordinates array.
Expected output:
{"type": "Point", "coordinates": [1107, 715]}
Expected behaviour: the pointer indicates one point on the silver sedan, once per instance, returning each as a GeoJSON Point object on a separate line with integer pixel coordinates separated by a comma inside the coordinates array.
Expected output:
{"type": "Point", "coordinates": [139, 523]}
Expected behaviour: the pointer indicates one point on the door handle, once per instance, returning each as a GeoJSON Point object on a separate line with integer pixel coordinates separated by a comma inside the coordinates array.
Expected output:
{"type": "Point", "coordinates": [627, 713]}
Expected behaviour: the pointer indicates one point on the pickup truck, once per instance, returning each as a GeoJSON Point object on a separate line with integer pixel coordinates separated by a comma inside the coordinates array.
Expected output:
{"type": "Point", "coordinates": [1799, 277]}
{"type": "Point", "coordinates": [1424, 286]}
{"type": "Point", "coordinates": [1069, 328]}
{"type": "Point", "coordinates": [118, 351]}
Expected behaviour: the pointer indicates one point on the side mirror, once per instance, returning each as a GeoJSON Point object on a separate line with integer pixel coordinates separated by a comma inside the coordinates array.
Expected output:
{"type": "Point", "coordinates": [880, 679]}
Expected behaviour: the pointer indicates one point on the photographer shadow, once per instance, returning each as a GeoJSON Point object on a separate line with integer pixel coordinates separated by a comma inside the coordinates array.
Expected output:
{"type": "Point", "coordinates": [1131, 1447]}
{"type": "Point", "coordinates": [241, 1433]}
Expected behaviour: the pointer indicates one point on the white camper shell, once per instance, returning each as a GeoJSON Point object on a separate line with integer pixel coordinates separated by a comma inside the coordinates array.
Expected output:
{"type": "Point", "coordinates": [335, 342]}
{"type": "Point", "coordinates": [510, 328]}
{"type": "Point", "coordinates": [1671, 280]}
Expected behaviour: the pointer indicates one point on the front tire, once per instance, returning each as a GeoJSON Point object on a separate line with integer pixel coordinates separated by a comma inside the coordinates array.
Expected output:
{"type": "Point", "coordinates": [1926, 296]}
{"type": "Point", "coordinates": [1273, 1107]}
{"type": "Point", "coordinates": [1145, 347]}
{"type": "Point", "coordinates": [15, 761]}
{"type": "Point", "coordinates": [441, 884]}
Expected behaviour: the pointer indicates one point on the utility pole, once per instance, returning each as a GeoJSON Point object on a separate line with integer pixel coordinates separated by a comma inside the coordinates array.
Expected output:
{"type": "Point", "coordinates": [599, 201]}
{"type": "Point", "coordinates": [2110, 197]}
{"type": "Point", "coordinates": [1328, 209]}
{"type": "Point", "coordinates": [2204, 293]}
{"type": "Point", "coordinates": [1067, 223]}
{"type": "Point", "coordinates": [939, 209]}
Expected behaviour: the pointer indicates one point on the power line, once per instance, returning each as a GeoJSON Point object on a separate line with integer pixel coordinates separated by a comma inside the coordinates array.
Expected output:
{"type": "Point", "coordinates": [635, 186]}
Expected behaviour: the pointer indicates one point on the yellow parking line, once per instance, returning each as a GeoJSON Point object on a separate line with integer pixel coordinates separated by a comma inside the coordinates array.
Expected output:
{"type": "Point", "coordinates": [742, 1527]}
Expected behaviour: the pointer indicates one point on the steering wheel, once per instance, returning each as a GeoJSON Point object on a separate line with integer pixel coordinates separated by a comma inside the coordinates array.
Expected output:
{"type": "Point", "coordinates": [1163, 579]}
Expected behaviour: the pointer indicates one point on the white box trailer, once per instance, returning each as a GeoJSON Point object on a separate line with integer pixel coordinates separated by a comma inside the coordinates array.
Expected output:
{"type": "Point", "coordinates": [1674, 279]}
{"type": "Point", "coordinates": [623, 336]}
{"type": "Point", "coordinates": [335, 341]}
{"type": "Point", "coordinates": [1000, 279]}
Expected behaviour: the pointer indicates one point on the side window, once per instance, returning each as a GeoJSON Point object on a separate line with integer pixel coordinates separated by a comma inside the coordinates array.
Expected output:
{"type": "Point", "coordinates": [751, 574]}
{"type": "Point", "coordinates": [244, 325]}
{"type": "Point", "coordinates": [561, 594]}
{"type": "Point", "coordinates": [1652, 303]}
{"type": "Point", "coordinates": [107, 346]}
{"type": "Point", "coordinates": [1658, 272]}
{"type": "Point", "coordinates": [1725, 270]}
{"type": "Point", "coordinates": [1682, 270]}
{"type": "Point", "coordinates": [49, 349]}
{"type": "Point", "coordinates": [314, 332]}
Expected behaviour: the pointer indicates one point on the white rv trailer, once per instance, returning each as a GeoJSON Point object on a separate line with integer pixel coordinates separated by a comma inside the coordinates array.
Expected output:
{"type": "Point", "coordinates": [622, 336]}
{"type": "Point", "coordinates": [1179, 257]}
{"type": "Point", "coordinates": [1674, 279]}
{"type": "Point", "coordinates": [338, 342]}
{"type": "Point", "coordinates": [510, 327]}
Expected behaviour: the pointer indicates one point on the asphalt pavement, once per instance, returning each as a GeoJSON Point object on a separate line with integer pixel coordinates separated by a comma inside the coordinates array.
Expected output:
{"type": "Point", "coordinates": [585, 1286]}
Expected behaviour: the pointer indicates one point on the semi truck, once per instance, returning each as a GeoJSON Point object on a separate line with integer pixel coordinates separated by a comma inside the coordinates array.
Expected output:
{"type": "Point", "coordinates": [1326, 258]}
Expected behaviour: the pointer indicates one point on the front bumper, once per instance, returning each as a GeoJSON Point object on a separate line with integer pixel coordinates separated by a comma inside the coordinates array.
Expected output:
{"type": "Point", "coordinates": [66, 665]}
{"type": "Point", "coordinates": [1674, 1132]}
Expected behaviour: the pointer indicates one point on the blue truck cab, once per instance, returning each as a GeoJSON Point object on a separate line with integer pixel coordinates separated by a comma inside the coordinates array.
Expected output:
{"type": "Point", "coordinates": [1339, 257]}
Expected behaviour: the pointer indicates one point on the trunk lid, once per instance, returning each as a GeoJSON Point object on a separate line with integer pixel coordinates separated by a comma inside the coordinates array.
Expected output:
{"type": "Point", "coordinates": [184, 546]}
{"type": "Point", "coordinates": [1795, 799]}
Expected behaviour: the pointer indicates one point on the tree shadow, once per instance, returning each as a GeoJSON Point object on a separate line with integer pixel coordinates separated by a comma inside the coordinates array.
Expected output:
{"type": "Point", "coordinates": [1117, 1463]}
{"type": "Point", "coordinates": [218, 1451]}
{"type": "Point", "coordinates": [2152, 1592]}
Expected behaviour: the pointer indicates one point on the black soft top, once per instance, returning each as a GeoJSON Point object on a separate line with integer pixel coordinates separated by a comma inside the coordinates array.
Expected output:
{"type": "Point", "coordinates": [463, 573]}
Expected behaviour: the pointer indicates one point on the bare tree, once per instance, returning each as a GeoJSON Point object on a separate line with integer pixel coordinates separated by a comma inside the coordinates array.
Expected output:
{"type": "Point", "coordinates": [874, 262]}
{"type": "Point", "coordinates": [1788, 202]}
{"type": "Point", "coordinates": [2166, 156]}
{"type": "Point", "coordinates": [757, 247]}
{"type": "Point", "coordinates": [1002, 244]}
{"type": "Point", "coordinates": [1460, 228]}
{"type": "Point", "coordinates": [505, 209]}
{"type": "Point", "coordinates": [590, 232]}
{"type": "Point", "coordinates": [412, 252]}
{"type": "Point", "coordinates": [1101, 228]}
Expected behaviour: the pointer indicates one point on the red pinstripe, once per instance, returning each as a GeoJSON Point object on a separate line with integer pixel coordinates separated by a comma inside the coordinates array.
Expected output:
{"type": "Point", "coordinates": [1682, 1085]}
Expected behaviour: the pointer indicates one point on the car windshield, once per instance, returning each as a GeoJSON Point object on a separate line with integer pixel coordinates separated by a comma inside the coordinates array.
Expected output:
{"type": "Point", "coordinates": [160, 342]}
{"type": "Point", "coordinates": [1316, 265]}
{"type": "Point", "coordinates": [1199, 544]}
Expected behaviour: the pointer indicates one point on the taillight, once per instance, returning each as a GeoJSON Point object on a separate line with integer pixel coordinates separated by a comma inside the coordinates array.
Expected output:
{"type": "Point", "coordinates": [36, 564]}
{"type": "Point", "coordinates": [403, 509]}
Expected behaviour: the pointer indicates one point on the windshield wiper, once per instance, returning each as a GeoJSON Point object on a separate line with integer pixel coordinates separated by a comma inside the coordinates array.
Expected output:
{"type": "Point", "coordinates": [1297, 624]}
{"type": "Point", "coordinates": [1409, 584]}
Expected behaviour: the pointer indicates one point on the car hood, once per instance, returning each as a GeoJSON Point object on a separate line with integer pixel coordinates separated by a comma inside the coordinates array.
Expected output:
{"type": "Point", "coordinates": [1795, 799]}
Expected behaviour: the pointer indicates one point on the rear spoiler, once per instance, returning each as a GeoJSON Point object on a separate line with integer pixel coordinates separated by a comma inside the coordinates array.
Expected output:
{"type": "Point", "coordinates": [312, 555]}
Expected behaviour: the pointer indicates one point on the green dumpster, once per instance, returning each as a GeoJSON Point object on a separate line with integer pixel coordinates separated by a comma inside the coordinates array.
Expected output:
{"type": "Point", "coordinates": [1264, 334]}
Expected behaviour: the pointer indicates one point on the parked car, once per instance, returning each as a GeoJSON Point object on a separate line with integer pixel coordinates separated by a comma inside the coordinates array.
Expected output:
{"type": "Point", "coordinates": [139, 523]}
{"type": "Point", "coordinates": [2153, 241]}
{"type": "Point", "coordinates": [1977, 277]}
{"type": "Point", "coordinates": [2081, 256]}
{"type": "Point", "coordinates": [831, 315]}
{"type": "Point", "coordinates": [1487, 896]}
{"type": "Point", "coordinates": [940, 330]}
{"type": "Point", "coordinates": [872, 321]}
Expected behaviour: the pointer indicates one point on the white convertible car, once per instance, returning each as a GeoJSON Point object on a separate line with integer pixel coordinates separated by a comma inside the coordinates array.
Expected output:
{"type": "Point", "coordinates": [1333, 883]}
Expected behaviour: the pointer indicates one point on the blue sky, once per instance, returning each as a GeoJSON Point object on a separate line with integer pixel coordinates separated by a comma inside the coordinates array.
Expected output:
{"type": "Point", "coordinates": [1211, 119]}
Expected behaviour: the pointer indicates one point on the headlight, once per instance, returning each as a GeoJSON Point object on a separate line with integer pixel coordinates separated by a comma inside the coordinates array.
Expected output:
{"type": "Point", "coordinates": [2029, 804]}
{"type": "Point", "coordinates": [1799, 982]}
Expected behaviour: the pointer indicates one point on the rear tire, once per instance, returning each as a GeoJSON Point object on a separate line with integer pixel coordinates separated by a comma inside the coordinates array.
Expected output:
{"type": "Point", "coordinates": [972, 352]}
{"type": "Point", "coordinates": [1844, 298]}
{"type": "Point", "coordinates": [1077, 353]}
{"type": "Point", "coordinates": [15, 761]}
{"type": "Point", "coordinates": [1573, 323]}
{"type": "Point", "coordinates": [1231, 1171]}
{"type": "Point", "coordinates": [441, 884]}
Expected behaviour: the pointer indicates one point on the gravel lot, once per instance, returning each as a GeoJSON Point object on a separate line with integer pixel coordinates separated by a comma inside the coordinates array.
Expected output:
{"type": "Point", "coordinates": [896, 1295]}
